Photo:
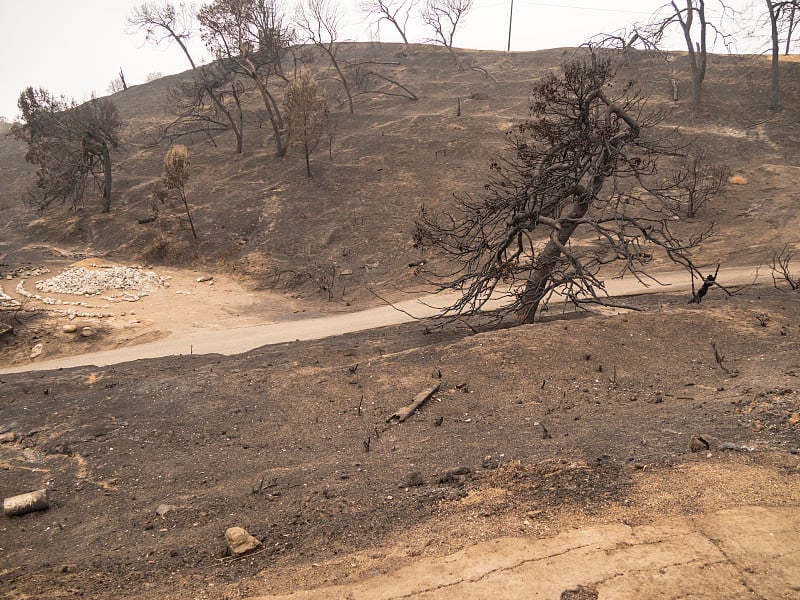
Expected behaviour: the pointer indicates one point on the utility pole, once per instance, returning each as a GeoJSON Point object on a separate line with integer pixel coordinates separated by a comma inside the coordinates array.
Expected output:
{"type": "Point", "coordinates": [510, 17]}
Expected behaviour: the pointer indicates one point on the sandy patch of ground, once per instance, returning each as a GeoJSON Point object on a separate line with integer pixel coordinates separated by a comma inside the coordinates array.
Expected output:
{"type": "Point", "coordinates": [191, 300]}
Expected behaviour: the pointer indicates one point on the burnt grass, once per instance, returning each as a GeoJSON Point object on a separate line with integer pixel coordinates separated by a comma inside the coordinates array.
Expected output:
{"type": "Point", "coordinates": [292, 442]}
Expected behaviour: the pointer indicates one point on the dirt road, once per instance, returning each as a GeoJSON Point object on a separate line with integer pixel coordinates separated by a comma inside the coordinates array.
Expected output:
{"type": "Point", "coordinates": [235, 340]}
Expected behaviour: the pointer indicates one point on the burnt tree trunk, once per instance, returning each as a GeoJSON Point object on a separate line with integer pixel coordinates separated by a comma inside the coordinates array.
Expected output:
{"type": "Point", "coordinates": [775, 88]}
{"type": "Point", "coordinates": [308, 159]}
{"type": "Point", "coordinates": [697, 53]}
{"type": "Point", "coordinates": [790, 29]}
{"type": "Point", "coordinates": [106, 178]}
{"type": "Point", "coordinates": [188, 212]}
{"type": "Point", "coordinates": [537, 286]}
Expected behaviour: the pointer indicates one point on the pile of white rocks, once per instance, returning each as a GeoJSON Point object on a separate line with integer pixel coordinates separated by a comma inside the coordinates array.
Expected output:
{"type": "Point", "coordinates": [93, 282]}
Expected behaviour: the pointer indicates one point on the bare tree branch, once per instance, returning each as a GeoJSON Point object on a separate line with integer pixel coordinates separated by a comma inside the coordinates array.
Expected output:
{"type": "Point", "coordinates": [396, 12]}
{"type": "Point", "coordinates": [320, 21]}
{"type": "Point", "coordinates": [580, 190]}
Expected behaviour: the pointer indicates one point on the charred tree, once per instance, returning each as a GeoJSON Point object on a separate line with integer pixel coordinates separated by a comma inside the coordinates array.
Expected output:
{"type": "Point", "coordinates": [70, 144]}
{"type": "Point", "coordinates": [211, 101]}
{"type": "Point", "coordinates": [252, 36]}
{"type": "Point", "coordinates": [585, 166]}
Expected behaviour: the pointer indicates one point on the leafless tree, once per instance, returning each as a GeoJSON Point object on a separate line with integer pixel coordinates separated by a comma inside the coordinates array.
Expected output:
{"type": "Point", "coordinates": [775, 90]}
{"type": "Point", "coordinates": [164, 22]}
{"type": "Point", "coordinates": [780, 15]}
{"type": "Point", "coordinates": [319, 22]}
{"type": "Point", "coordinates": [443, 17]}
{"type": "Point", "coordinates": [623, 39]}
{"type": "Point", "coordinates": [790, 22]}
{"type": "Point", "coordinates": [696, 180]}
{"type": "Point", "coordinates": [70, 144]}
{"type": "Point", "coordinates": [208, 103]}
{"type": "Point", "coordinates": [695, 25]}
{"type": "Point", "coordinates": [396, 12]}
{"type": "Point", "coordinates": [636, 37]}
{"type": "Point", "coordinates": [781, 269]}
{"type": "Point", "coordinates": [115, 85]}
{"type": "Point", "coordinates": [585, 165]}
{"type": "Point", "coordinates": [253, 37]}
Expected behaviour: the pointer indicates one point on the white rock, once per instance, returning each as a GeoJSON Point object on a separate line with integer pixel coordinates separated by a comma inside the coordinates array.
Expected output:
{"type": "Point", "coordinates": [69, 328]}
{"type": "Point", "coordinates": [37, 350]}
{"type": "Point", "coordinates": [239, 541]}
{"type": "Point", "coordinates": [88, 282]}
{"type": "Point", "coordinates": [164, 509]}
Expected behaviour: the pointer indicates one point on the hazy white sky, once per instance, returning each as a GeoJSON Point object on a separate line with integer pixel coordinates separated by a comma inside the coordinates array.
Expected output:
{"type": "Point", "coordinates": [76, 47]}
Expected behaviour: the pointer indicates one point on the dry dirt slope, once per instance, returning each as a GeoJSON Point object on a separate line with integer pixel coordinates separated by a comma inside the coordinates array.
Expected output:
{"type": "Point", "coordinates": [573, 422]}
{"type": "Point", "coordinates": [568, 423]}
{"type": "Point", "coordinates": [260, 215]}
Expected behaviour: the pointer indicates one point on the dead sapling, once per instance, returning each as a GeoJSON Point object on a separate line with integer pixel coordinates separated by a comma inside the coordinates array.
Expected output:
{"type": "Point", "coordinates": [719, 359]}
{"type": "Point", "coordinates": [262, 486]}
{"type": "Point", "coordinates": [173, 179]}
{"type": "Point", "coordinates": [697, 296]}
{"type": "Point", "coordinates": [781, 272]}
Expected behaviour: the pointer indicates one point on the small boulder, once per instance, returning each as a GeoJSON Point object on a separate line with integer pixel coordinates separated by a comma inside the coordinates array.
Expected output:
{"type": "Point", "coordinates": [164, 509]}
{"type": "Point", "coordinates": [87, 332]}
{"type": "Point", "coordinates": [239, 541]}
{"type": "Point", "coordinates": [37, 350]}
{"type": "Point", "coordinates": [69, 328]}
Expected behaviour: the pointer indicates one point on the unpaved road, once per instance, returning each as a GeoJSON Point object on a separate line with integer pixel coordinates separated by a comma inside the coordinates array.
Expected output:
{"type": "Point", "coordinates": [235, 340]}
{"type": "Point", "coordinates": [706, 556]}
{"type": "Point", "coordinates": [608, 496]}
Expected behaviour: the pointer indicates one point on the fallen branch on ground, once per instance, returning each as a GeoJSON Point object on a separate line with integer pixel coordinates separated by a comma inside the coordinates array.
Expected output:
{"type": "Point", "coordinates": [403, 413]}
